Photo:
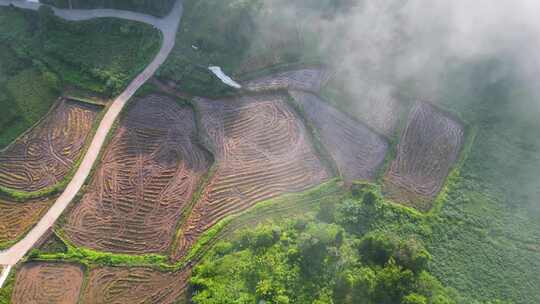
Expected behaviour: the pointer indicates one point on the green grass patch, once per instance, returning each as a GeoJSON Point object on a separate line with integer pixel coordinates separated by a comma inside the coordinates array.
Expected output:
{"type": "Point", "coordinates": [26, 99]}
{"type": "Point", "coordinates": [40, 54]}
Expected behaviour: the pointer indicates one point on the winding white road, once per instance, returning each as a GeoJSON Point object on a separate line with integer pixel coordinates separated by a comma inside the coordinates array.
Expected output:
{"type": "Point", "coordinates": [168, 26]}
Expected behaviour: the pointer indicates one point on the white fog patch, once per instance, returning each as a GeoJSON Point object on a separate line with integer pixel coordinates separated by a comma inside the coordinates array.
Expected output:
{"type": "Point", "coordinates": [224, 78]}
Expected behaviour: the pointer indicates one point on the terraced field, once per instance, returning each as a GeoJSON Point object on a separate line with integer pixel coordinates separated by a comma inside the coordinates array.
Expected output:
{"type": "Point", "coordinates": [310, 80]}
{"type": "Point", "coordinates": [42, 157]}
{"type": "Point", "coordinates": [17, 218]}
{"type": "Point", "coordinates": [429, 146]}
{"type": "Point", "coordinates": [262, 150]}
{"type": "Point", "coordinates": [146, 178]}
{"type": "Point", "coordinates": [47, 283]}
{"type": "Point", "coordinates": [112, 285]}
{"type": "Point", "coordinates": [358, 151]}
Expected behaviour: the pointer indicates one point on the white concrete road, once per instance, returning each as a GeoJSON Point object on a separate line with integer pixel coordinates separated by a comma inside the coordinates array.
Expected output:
{"type": "Point", "coordinates": [168, 26]}
{"type": "Point", "coordinates": [4, 274]}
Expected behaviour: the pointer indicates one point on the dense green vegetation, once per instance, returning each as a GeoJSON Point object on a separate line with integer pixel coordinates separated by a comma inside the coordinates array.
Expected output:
{"type": "Point", "coordinates": [487, 242]}
{"type": "Point", "coordinates": [41, 55]}
{"type": "Point", "coordinates": [327, 260]}
{"type": "Point", "coordinates": [153, 7]}
{"type": "Point", "coordinates": [486, 232]}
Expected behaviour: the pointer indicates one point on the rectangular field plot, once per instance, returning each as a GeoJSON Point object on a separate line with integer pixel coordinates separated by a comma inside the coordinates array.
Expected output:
{"type": "Point", "coordinates": [17, 218]}
{"type": "Point", "coordinates": [429, 146]}
{"type": "Point", "coordinates": [262, 150]}
{"type": "Point", "coordinates": [43, 156]}
{"type": "Point", "coordinates": [146, 178]}
{"type": "Point", "coordinates": [310, 80]}
{"type": "Point", "coordinates": [358, 151]}
{"type": "Point", "coordinates": [47, 283]}
{"type": "Point", "coordinates": [112, 285]}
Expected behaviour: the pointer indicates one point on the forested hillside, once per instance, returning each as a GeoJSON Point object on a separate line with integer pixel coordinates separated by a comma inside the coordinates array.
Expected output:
{"type": "Point", "coordinates": [325, 259]}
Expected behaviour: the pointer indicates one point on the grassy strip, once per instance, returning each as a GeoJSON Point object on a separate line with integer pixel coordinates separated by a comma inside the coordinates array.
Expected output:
{"type": "Point", "coordinates": [455, 173]}
{"type": "Point", "coordinates": [89, 257]}
{"type": "Point", "coordinates": [7, 244]}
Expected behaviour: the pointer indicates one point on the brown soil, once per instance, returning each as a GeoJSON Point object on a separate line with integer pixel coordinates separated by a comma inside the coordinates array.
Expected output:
{"type": "Point", "coordinates": [305, 79]}
{"type": "Point", "coordinates": [45, 283]}
{"type": "Point", "coordinates": [358, 151]}
{"type": "Point", "coordinates": [428, 148]}
{"type": "Point", "coordinates": [113, 285]}
{"type": "Point", "coordinates": [146, 178]}
{"type": "Point", "coordinates": [44, 156]}
{"type": "Point", "coordinates": [262, 150]}
{"type": "Point", "coordinates": [17, 218]}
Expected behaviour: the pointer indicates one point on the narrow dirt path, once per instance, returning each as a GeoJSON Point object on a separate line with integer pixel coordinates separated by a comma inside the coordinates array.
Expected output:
{"type": "Point", "coordinates": [168, 26]}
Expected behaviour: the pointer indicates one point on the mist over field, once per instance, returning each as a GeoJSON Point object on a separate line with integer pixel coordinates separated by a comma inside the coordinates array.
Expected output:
{"type": "Point", "coordinates": [382, 43]}
{"type": "Point", "coordinates": [461, 54]}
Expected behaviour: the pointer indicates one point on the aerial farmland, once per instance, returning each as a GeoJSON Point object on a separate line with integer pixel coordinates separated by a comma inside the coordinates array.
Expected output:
{"type": "Point", "coordinates": [246, 151]}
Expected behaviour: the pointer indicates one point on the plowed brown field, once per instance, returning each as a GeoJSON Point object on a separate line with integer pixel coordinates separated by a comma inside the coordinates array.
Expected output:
{"type": "Point", "coordinates": [134, 286]}
{"type": "Point", "coordinates": [429, 146]}
{"type": "Point", "coordinates": [47, 283]}
{"type": "Point", "coordinates": [146, 178]}
{"type": "Point", "coordinates": [44, 156]}
{"type": "Point", "coordinates": [262, 150]}
{"type": "Point", "coordinates": [358, 151]}
{"type": "Point", "coordinates": [305, 79]}
{"type": "Point", "coordinates": [17, 218]}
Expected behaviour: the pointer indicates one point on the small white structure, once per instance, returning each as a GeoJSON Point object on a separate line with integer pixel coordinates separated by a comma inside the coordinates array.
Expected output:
{"type": "Point", "coordinates": [224, 78]}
